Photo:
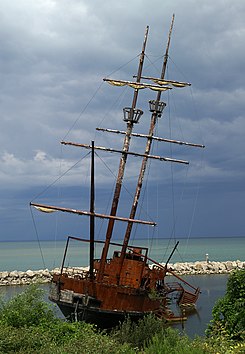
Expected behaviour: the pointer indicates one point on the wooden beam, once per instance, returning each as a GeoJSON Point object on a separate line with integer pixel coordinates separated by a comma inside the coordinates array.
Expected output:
{"type": "Point", "coordinates": [153, 137]}
{"type": "Point", "coordinates": [50, 208]}
{"type": "Point", "coordinates": [161, 158]}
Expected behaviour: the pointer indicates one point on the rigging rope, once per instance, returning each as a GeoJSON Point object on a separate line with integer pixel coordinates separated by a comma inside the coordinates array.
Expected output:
{"type": "Point", "coordinates": [57, 179]}
{"type": "Point", "coordinates": [56, 225]}
{"type": "Point", "coordinates": [83, 110]}
{"type": "Point", "coordinates": [152, 64]}
{"type": "Point", "coordinates": [107, 206]}
{"type": "Point", "coordinates": [172, 175]}
{"type": "Point", "coordinates": [116, 102]}
{"type": "Point", "coordinates": [124, 188]}
{"type": "Point", "coordinates": [38, 240]}
{"type": "Point", "coordinates": [195, 204]}
{"type": "Point", "coordinates": [123, 185]}
{"type": "Point", "coordinates": [173, 236]}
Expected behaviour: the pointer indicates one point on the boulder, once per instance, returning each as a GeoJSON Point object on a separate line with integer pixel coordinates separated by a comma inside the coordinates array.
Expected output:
{"type": "Point", "coordinates": [14, 274]}
{"type": "Point", "coordinates": [4, 275]}
{"type": "Point", "coordinates": [30, 273]}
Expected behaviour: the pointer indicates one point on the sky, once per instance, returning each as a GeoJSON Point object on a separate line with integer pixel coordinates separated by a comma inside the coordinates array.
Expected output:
{"type": "Point", "coordinates": [54, 56]}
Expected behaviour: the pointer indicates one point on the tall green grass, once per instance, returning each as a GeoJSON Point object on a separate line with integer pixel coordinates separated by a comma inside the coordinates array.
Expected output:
{"type": "Point", "coordinates": [28, 324]}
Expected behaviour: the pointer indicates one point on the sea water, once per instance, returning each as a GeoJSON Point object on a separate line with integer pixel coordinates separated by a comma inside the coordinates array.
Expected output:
{"type": "Point", "coordinates": [36, 255]}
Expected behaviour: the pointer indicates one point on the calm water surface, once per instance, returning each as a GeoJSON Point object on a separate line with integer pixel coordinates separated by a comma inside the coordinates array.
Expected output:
{"type": "Point", "coordinates": [48, 254]}
{"type": "Point", "coordinates": [212, 288]}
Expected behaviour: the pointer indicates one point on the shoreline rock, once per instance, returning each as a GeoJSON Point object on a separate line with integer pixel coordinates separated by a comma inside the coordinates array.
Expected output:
{"type": "Point", "coordinates": [206, 267]}
{"type": "Point", "coordinates": [43, 276]}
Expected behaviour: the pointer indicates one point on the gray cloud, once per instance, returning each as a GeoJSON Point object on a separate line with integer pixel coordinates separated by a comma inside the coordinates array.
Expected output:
{"type": "Point", "coordinates": [54, 55]}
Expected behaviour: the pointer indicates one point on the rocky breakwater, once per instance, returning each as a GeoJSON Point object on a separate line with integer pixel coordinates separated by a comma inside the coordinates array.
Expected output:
{"type": "Point", "coordinates": [41, 276]}
{"type": "Point", "coordinates": [25, 278]}
{"type": "Point", "coordinates": [191, 268]}
{"type": "Point", "coordinates": [206, 267]}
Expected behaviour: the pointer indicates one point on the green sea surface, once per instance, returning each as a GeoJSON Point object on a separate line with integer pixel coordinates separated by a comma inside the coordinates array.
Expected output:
{"type": "Point", "coordinates": [48, 254]}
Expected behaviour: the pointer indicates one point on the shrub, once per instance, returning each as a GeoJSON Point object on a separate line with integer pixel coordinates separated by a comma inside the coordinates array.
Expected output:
{"type": "Point", "coordinates": [28, 325]}
{"type": "Point", "coordinates": [26, 309]}
{"type": "Point", "coordinates": [229, 312]}
{"type": "Point", "coordinates": [138, 334]}
{"type": "Point", "coordinates": [170, 341]}
{"type": "Point", "coordinates": [64, 337]}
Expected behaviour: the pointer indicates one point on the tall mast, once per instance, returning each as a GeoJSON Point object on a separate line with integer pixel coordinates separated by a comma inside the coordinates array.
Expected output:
{"type": "Point", "coordinates": [91, 253]}
{"type": "Point", "coordinates": [155, 115]}
{"type": "Point", "coordinates": [130, 123]}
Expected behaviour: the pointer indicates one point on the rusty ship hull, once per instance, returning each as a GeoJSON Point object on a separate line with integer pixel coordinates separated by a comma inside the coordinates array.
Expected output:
{"type": "Point", "coordinates": [140, 290]}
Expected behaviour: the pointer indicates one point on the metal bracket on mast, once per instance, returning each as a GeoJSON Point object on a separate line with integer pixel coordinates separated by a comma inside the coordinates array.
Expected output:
{"type": "Point", "coordinates": [132, 114]}
{"type": "Point", "coordinates": [157, 107]}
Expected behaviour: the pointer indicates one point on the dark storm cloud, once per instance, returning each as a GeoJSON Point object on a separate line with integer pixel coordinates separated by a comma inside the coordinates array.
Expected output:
{"type": "Point", "coordinates": [54, 55]}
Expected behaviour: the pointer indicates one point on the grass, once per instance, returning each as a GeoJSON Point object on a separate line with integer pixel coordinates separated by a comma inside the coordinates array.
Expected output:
{"type": "Point", "coordinates": [29, 325]}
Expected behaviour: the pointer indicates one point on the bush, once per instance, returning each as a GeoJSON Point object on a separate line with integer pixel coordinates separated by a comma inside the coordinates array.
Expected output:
{"type": "Point", "coordinates": [63, 337]}
{"type": "Point", "coordinates": [229, 312]}
{"type": "Point", "coordinates": [28, 325]}
{"type": "Point", "coordinates": [151, 336]}
{"type": "Point", "coordinates": [138, 334]}
{"type": "Point", "coordinates": [171, 342]}
{"type": "Point", "coordinates": [26, 309]}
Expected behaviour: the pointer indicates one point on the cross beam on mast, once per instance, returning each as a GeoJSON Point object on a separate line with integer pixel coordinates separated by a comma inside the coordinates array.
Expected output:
{"type": "Point", "coordinates": [161, 158]}
{"type": "Point", "coordinates": [50, 208]}
{"type": "Point", "coordinates": [138, 86]}
{"type": "Point", "coordinates": [160, 81]}
{"type": "Point", "coordinates": [151, 137]}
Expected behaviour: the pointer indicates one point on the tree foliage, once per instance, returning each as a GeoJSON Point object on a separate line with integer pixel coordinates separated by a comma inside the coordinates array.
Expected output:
{"type": "Point", "coordinates": [229, 311]}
